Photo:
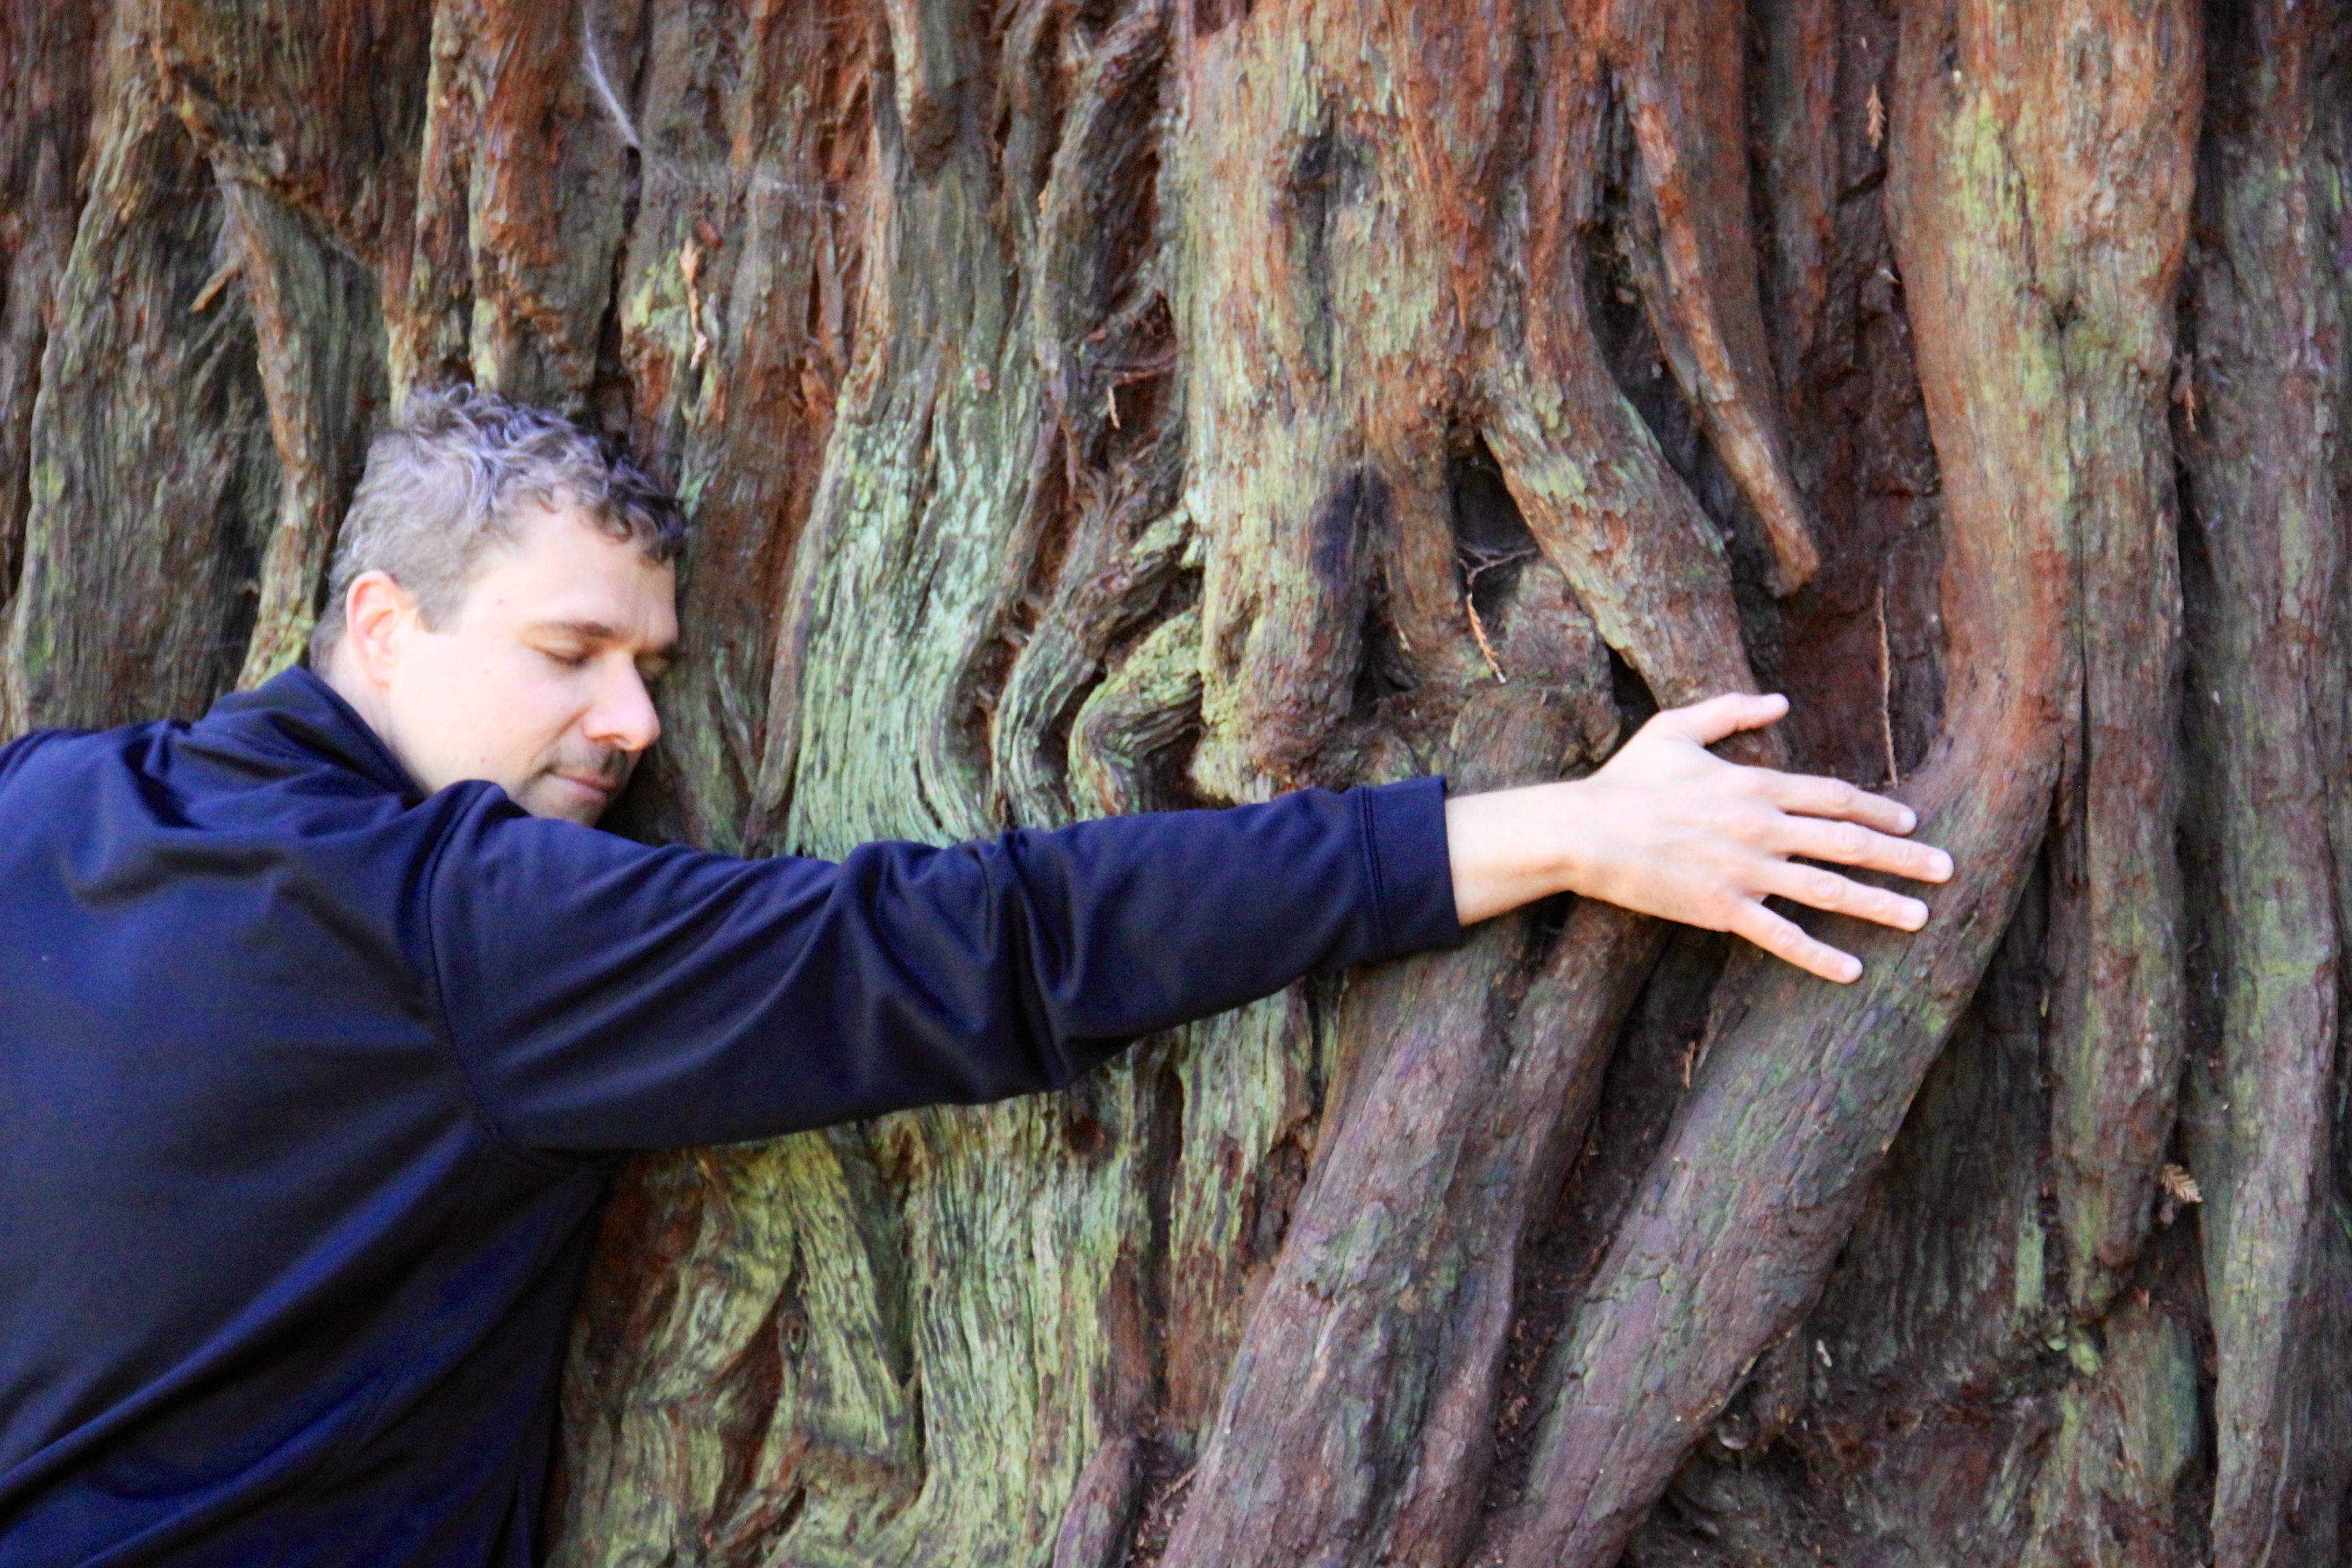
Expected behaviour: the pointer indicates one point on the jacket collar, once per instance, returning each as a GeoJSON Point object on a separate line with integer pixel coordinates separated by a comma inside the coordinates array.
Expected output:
{"type": "Point", "coordinates": [298, 711]}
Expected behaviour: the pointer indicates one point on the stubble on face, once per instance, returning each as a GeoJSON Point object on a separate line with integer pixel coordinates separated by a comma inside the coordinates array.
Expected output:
{"type": "Point", "coordinates": [576, 781]}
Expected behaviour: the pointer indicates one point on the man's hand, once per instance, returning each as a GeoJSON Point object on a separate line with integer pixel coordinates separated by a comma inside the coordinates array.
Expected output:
{"type": "Point", "coordinates": [1670, 829]}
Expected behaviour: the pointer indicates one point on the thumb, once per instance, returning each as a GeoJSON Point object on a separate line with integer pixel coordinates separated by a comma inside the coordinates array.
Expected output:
{"type": "Point", "coordinates": [1710, 722]}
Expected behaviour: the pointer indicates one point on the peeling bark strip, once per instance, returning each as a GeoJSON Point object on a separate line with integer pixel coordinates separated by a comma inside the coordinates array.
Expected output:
{"type": "Point", "coordinates": [768, 192]}
{"type": "Point", "coordinates": [44, 130]}
{"type": "Point", "coordinates": [1681, 70]}
{"type": "Point", "coordinates": [317, 102]}
{"type": "Point", "coordinates": [1357, 1420]}
{"type": "Point", "coordinates": [2131, 84]}
{"type": "Point", "coordinates": [2268, 468]}
{"type": "Point", "coordinates": [319, 336]}
{"type": "Point", "coordinates": [1098, 406]}
{"type": "Point", "coordinates": [150, 477]}
{"type": "Point", "coordinates": [1762, 1174]}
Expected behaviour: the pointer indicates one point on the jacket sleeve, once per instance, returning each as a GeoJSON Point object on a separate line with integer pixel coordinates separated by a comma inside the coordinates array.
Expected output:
{"type": "Point", "coordinates": [605, 995]}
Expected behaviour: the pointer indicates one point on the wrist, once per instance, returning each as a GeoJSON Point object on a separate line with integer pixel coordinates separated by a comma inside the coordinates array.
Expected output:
{"type": "Point", "coordinates": [1573, 837]}
{"type": "Point", "coordinates": [1509, 847]}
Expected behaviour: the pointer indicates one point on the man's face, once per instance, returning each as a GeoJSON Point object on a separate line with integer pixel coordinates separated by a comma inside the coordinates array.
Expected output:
{"type": "Point", "coordinates": [540, 682]}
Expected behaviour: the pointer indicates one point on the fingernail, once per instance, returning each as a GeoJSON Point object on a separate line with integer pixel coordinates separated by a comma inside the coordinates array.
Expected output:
{"type": "Point", "coordinates": [1850, 969]}
{"type": "Point", "coordinates": [1918, 915]}
{"type": "Point", "coordinates": [1909, 819]}
{"type": "Point", "coordinates": [1941, 863]}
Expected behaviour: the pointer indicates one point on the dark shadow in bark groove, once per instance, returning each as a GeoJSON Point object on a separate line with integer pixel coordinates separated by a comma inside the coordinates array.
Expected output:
{"type": "Point", "coordinates": [1029, 373]}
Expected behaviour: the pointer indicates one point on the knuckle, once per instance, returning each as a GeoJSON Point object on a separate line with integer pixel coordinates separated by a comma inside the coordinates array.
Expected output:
{"type": "Point", "coordinates": [1849, 840]}
{"type": "Point", "coordinates": [1828, 890]}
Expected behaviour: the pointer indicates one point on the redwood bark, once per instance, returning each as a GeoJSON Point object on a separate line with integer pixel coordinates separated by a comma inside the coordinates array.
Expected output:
{"type": "Point", "coordinates": [1101, 405]}
{"type": "Point", "coordinates": [2270, 474]}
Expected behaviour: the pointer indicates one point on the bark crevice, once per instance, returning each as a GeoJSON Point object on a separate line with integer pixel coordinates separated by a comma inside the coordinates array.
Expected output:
{"type": "Point", "coordinates": [1106, 406]}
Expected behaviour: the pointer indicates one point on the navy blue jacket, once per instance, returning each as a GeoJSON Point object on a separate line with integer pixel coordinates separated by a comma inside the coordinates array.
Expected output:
{"type": "Point", "coordinates": [310, 1085]}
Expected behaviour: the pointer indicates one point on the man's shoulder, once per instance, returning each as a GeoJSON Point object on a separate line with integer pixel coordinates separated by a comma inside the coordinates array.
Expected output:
{"type": "Point", "coordinates": [288, 885]}
{"type": "Point", "coordinates": [16, 751]}
{"type": "Point", "coordinates": [64, 748]}
{"type": "Point", "coordinates": [168, 800]}
{"type": "Point", "coordinates": [13, 752]}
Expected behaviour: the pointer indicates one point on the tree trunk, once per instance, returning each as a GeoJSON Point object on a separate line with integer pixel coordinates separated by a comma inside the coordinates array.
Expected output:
{"type": "Point", "coordinates": [1103, 405]}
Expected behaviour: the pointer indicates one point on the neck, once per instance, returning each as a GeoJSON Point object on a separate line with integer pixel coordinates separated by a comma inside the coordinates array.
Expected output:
{"type": "Point", "coordinates": [343, 675]}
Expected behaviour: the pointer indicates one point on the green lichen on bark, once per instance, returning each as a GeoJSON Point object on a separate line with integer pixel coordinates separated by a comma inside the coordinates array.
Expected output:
{"type": "Point", "coordinates": [1103, 407]}
{"type": "Point", "coordinates": [2267, 691]}
{"type": "Point", "coordinates": [152, 484]}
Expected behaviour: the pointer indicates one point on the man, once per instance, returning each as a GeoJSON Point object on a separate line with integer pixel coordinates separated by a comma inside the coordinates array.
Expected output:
{"type": "Point", "coordinates": [323, 1020]}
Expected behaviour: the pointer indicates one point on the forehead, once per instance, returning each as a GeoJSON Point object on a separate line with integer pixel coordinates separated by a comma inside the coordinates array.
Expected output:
{"type": "Point", "coordinates": [561, 565]}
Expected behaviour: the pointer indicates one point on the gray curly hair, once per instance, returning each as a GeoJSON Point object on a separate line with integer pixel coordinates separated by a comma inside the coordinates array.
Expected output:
{"type": "Point", "coordinates": [447, 478]}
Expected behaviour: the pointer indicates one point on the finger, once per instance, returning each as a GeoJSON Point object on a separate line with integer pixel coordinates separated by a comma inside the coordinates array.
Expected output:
{"type": "Point", "coordinates": [1840, 895]}
{"type": "Point", "coordinates": [1710, 722]}
{"type": "Point", "coordinates": [1806, 795]}
{"type": "Point", "coordinates": [1787, 940]}
{"type": "Point", "coordinates": [1851, 844]}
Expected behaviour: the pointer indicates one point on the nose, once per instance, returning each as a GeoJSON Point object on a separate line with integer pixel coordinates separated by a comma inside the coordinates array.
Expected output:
{"type": "Point", "coordinates": [623, 715]}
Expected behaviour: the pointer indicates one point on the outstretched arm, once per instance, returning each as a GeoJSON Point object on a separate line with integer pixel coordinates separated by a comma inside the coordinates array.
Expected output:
{"type": "Point", "coordinates": [1668, 829]}
{"type": "Point", "coordinates": [603, 995]}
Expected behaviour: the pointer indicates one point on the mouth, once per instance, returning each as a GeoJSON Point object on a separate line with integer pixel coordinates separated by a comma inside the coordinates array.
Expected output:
{"type": "Point", "coordinates": [581, 786]}
{"type": "Point", "coordinates": [589, 788]}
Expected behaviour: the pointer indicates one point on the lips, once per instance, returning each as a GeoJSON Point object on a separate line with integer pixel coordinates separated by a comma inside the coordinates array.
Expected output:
{"type": "Point", "coordinates": [594, 779]}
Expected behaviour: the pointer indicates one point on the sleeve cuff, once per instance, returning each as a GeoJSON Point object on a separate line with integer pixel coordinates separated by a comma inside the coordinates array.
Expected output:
{"type": "Point", "coordinates": [1412, 875]}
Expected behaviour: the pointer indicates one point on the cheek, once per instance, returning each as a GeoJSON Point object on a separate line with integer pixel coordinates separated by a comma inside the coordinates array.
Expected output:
{"type": "Point", "coordinates": [486, 714]}
{"type": "Point", "coordinates": [467, 725]}
{"type": "Point", "coordinates": [532, 705]}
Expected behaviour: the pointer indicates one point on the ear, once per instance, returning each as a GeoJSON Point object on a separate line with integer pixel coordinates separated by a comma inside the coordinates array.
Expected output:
{"type": "Point", "coordinates": [378, 618]}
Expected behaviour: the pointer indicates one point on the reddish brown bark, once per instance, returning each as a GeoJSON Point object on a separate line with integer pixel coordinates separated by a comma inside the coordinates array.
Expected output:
{"type": "Point", "coordinates": [1091, 406]}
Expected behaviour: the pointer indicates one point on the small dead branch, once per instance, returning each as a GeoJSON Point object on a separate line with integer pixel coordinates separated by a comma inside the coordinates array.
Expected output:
{"type": "Point", "coordinates": [601, 81]}
{"type": "Point", "coordinates": [2179, 1190]}
{"type": "Point", "coordinates": [689, 265]}
{"type": "Point", "coordinates": [1486, 648]}
{"type": "Point", "coordinates": [1886, 691]}
{"type": "Point", "coordinates": [1477, 564]}
{"type": "Point", "coordinates": [1156, 1519]}
{"type": "Point", "coordinates": [228, 273]}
